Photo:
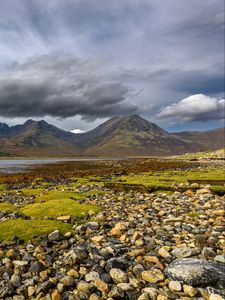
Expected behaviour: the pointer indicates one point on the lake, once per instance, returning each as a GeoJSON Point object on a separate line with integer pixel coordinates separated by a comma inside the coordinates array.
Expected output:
{"type": "Point", "coordinates": [11, 166]}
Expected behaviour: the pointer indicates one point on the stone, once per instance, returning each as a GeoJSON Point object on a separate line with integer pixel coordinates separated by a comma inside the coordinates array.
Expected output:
{"type": "Point", "coordinates": [185, 252]}
{"type": "Point", "coordinates": [151, 291]}
{"type": "Point", "coordinates": [94, 297]}
{"type": "Point", "coordinates": [164, 253]}
{"type": "Point", "coordinates": [118, 229]}
{"type": "Point", "coordinates": [143, 296]}
{"type": "Point", "coordinates": [18, 297]}
{"type": "Point", "coordinates": [55, 295]}
{"type": "Point", "coordinates": [15, 280]}
{"type": "Point", "coordinates": [68, 281]}
{"type": "Point", "coordinates": [55, 236]}
{"type": "Point", "coordinates": [190, 290]}
{"type": "Point", "coordinates": [116, 293]}
{"type": "Point", "coordinates": [175, 286]}
{"type": "Point", "coordinates": [83, 286]}
{"type": "Point", "coordinates": [97, 239]}
{"type": "Point", "coordinates": [197, 272]}
{"type": "Point", "coordinates": [215, 297]}
{"type": "Point", "coordinates": [118, 276]}
{"type": "Point", "coordinates": [152, 276]}
{"type": "Point", "coordinates": [220, 258]}
{"type": "Point", "coordinates": [64, 218]}
{"type": "Point", "coordinates": [91, 276]}
{"type": "Point", "coordinates": [125, 286]}
{"type": "Point", "coordinates": [101, 285]}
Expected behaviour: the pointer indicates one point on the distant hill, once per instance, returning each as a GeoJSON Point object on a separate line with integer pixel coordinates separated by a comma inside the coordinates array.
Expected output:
{"type": "Point", "coordinates": [204, 140]}
{"type": "Point", "coordinates": [119, 136]}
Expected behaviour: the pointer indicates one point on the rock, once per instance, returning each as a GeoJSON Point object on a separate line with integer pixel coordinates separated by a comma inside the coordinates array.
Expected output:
{"type": "Point", "coordinates": [190, 290]}
{"type": "Point", "coordinates": [118, 276]}
{"type": "Point", "coordinates": [185, 252]}
{"type": "Point", "coordinates": [175, 286]}
{"type": "Point", "coordinates": [151, 291]}
{"type": "Point", "coordinates": [18, 297]}
{"type": "Point", "coordinates": [55, 295]}
{"type": "Point", "coordinates": [197, 272]}
{"type": "Point", "coordinates": [164, 253]}
{"type": "Point", "coordinates": [20, 263]}
{"type": "Point", "coordinates": [143, 296]}
{"type": "Point", "coordinates": [93, 225]}
{"type": "Point", "coordinates": [118, 229]}
{"type": "Point", "coordinates": [94, 297]}
{"type": "Point", "coordinates": [83, 286]}
{"type": "Point", "coordinates": [115, 263]}
{"type": "Point", "coordinates": [97, 239]}
{"type": "Point", "coordinates": [220, 258]}
{"type": "Point", "coordinates": [152, 276]}
{"type": "Point", "coordinates": [215, 297]}
{"type": "Point", "coordinates": [55, 236]}
{"type": "Point", "coordinates": [68, 281]}
{"type": "Point", "coordinates": [36, 267]}
{"type": "Point", "coordinates": [91, 276]}
{"type": "Point", "coordinates": [64, 218]}
{"type": "Point", "coordinates": [15, 280]}
{"type": "Point", "coordinates": [101, 285]}
{"type": "Point", "coordinates": [116, 293]}
{"type": "Point", "coordinates": [125, 286]}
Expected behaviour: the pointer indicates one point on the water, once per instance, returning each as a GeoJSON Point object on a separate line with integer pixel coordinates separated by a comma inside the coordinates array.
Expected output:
{"type": "Point", "coordinates": [12, 166]}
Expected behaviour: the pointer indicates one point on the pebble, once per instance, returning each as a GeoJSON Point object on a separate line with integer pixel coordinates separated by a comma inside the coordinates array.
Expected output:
{"type": "Point", "coordinates": [143, 247]}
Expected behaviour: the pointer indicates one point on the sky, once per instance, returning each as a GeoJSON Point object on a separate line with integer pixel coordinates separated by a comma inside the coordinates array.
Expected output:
{"type": "Point", "coordinates": [76, 63]}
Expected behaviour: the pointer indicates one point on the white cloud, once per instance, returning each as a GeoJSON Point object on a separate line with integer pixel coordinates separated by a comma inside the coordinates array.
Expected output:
{"type": "Point", "coordinates": [77, 131]}
{"type": "Point", "coordinates": [197, 107]}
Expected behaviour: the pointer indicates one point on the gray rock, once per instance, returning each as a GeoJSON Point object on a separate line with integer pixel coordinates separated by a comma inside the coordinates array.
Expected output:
{"type": "Point", "coordinates": [197, 272]}
{"type": "Point", "coordinates": [185, 252]}
{"type": "Point", "coordinates": [118, 276]}
{"type": "Point", "coordinates": [55, 236]}
{"type": "Point", "coordinates": [91, 276]}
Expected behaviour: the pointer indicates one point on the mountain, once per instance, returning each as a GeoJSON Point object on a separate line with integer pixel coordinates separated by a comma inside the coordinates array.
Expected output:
{"type": "Point", "coordinates": [131, 135]}
{"type": "Point", "coordinates": [204, 140]}
{"type": "Point", "coordinates": [119, 136]}
{"type": "Point", "coordinates": [37, 138]}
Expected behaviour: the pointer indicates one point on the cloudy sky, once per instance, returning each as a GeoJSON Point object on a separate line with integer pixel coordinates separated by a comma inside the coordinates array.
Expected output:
{"type": "Point", "coordinates": [76, 63]}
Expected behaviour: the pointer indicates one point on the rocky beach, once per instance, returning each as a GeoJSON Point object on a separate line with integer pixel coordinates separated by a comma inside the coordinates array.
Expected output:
{"type": "Point", "coordinates": [138, 246]}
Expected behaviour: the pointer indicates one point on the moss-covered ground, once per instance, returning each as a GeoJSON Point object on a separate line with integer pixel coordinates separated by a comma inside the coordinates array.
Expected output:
{"type": "Point", "coordinates": [164, 180]}
{"type": "Point", "coordinates": [64, 193]}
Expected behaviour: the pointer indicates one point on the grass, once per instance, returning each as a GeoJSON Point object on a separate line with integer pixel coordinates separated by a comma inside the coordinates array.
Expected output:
{"type": "Point", "coordinates": [163, 180]}
{"type": "Point", "coordinates": [219, 190]}
{"type": "Point", "coordinates": [2, 187]}
{"type": "Point", "coordinates": [49, 204]}
{"type": "Point", "coordinates": [55, 208]}
{"type": "Point", "coordinates": [7, 207]}
{"type": "Point", "coordinates": [27, 229]}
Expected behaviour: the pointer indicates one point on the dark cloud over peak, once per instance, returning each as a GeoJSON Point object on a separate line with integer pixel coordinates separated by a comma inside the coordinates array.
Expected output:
{"type": "Point", "coordinates": [60, 86]}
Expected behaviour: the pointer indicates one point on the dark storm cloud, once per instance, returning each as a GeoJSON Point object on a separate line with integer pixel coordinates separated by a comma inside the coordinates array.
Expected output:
{"type": "Point", "coordinates": [62, 87]}
{"type": "Point", "coordinates": [123, 56]}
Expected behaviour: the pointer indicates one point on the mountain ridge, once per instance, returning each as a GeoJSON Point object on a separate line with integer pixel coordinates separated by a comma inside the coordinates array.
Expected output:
{"type": "Point", "coordinates": [118, 136]}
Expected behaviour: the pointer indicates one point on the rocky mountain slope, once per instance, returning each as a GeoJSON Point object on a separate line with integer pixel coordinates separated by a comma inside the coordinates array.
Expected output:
{"type": "Point", "coordinates": [119, 136]}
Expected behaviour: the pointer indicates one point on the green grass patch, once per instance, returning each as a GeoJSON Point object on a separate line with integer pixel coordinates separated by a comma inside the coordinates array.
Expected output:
{"type": "Point", "coordinates": [219, 190]}
{"type": "Point", "coordinates": [53, 209]}
{"type": "Point", "coordinates": [2, 187]}
{"type": "Point", "coordinates": [27, 229]}
{"type": "Point", "coordinates": [8, 207]}
{"type": "Point", "coordinates": [163, 180]}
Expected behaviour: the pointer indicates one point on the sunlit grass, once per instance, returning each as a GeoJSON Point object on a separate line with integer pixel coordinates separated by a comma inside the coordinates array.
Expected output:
{"type": "Point", "coordinates": [27, 229]}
